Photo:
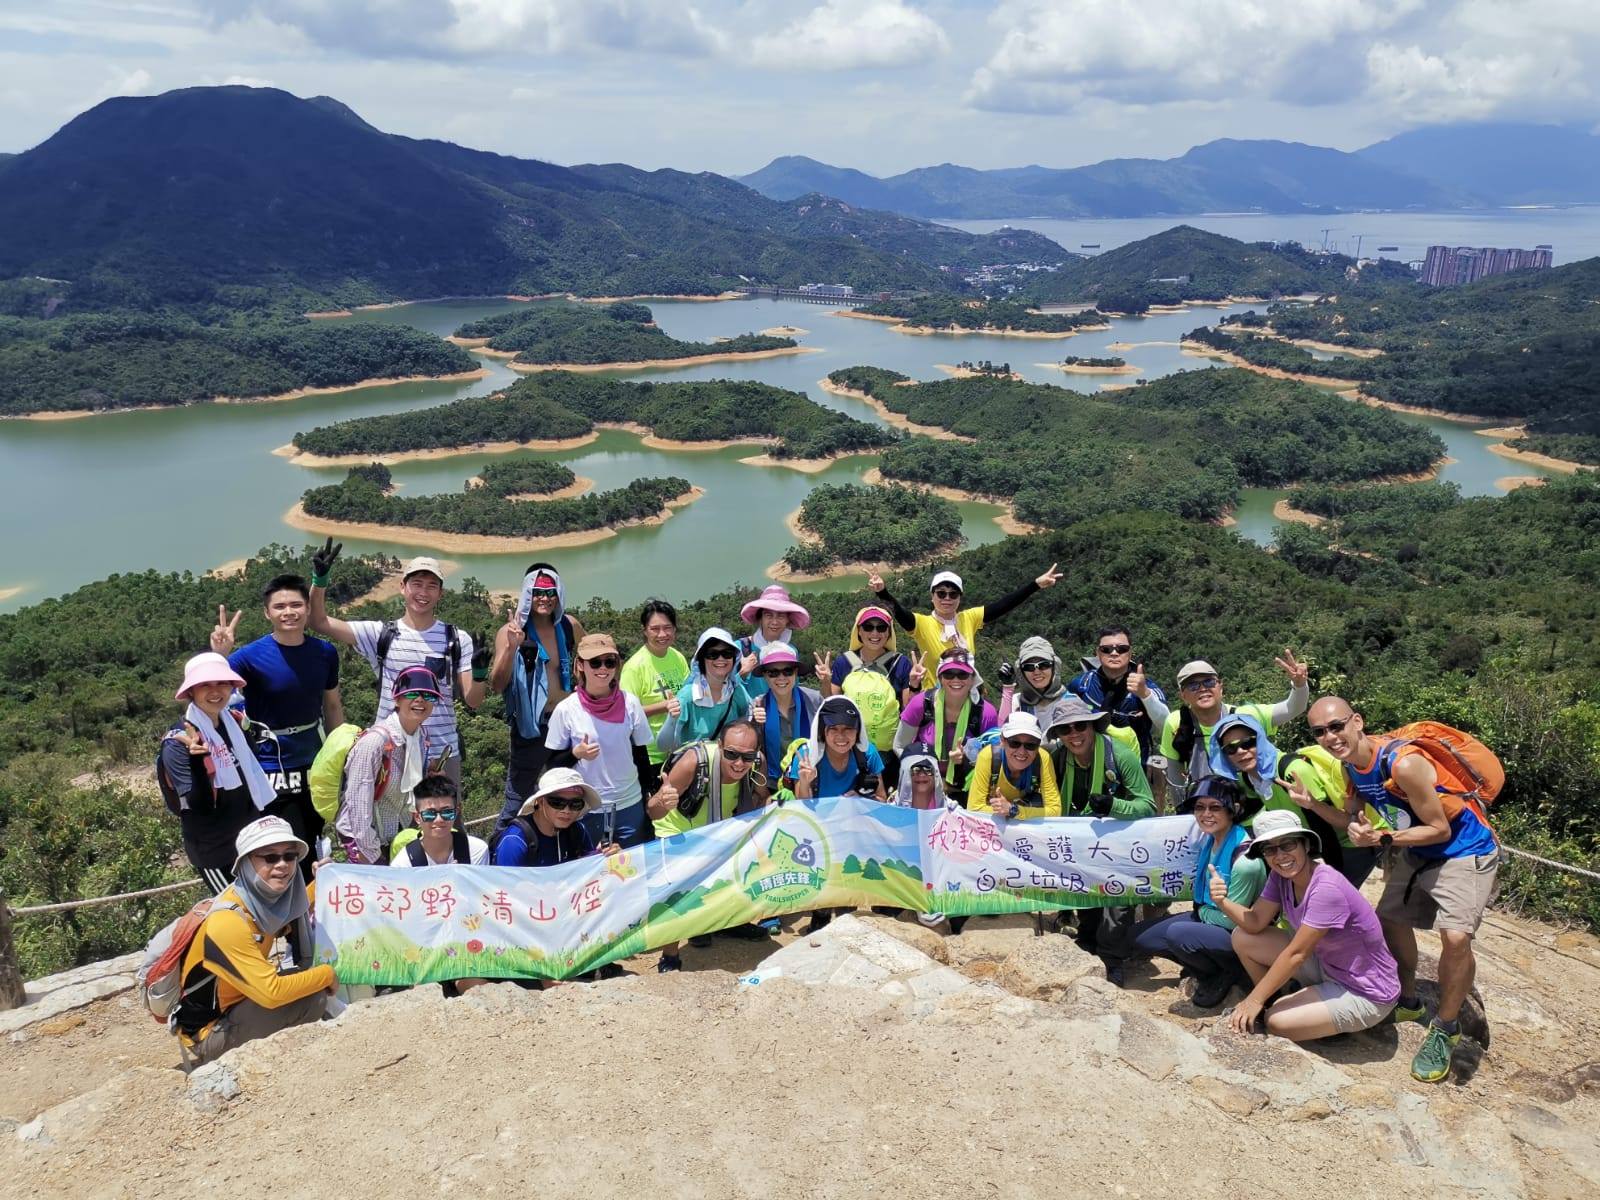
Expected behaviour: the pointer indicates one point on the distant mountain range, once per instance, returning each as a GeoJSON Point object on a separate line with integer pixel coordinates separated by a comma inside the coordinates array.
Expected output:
{"type": "Point", "coordinates": [1434, 168]}
{"type": "Point", "coordinates": [236, 195]}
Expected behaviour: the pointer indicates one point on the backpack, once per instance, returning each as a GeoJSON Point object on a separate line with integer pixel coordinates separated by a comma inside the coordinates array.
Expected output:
{"type": "Point", "coordinates": [566, 851]}
{"type": "Point", "coordinates": [452, 641]}
{"type": "Point", "coordinates": [1062, 762]}
{"type": "Point", "coordinates": [1470, 775]}
{"type": "Point", "coordinates": [864, 770]}
{"type": "Point", "coordinates": [460, 849]}
{"type": "Point", "coordinates": [693, 798]}
{"type": "Point", "coordinates": [159, 980]}
{"type": "Point", "coordinates": [870, 688]}
{"type": "Point", "coordinates": [326, 775]}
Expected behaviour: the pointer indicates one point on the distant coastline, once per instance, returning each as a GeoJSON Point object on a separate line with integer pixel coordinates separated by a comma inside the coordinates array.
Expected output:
{"type": "Point", "coordinates": [333, 313]}
{"type": "Point", "coordinates": [898, 420]}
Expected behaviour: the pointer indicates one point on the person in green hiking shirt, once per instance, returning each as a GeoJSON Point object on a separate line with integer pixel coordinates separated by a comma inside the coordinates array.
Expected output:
{"type": "Point", "coordinates": [655, 672]}
{"type": "Point", "coordinates": [1186, 734]}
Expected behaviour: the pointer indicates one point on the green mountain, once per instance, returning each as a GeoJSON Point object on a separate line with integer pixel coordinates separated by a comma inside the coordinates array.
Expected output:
{"type": "Point", "coordinates": [240, 195]}
{"type": "Point", "coordinates": [1499, 163]}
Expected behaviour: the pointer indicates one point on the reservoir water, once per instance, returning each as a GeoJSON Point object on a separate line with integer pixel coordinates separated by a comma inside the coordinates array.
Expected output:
{"type": "Point", "coordinates": [193, 488]}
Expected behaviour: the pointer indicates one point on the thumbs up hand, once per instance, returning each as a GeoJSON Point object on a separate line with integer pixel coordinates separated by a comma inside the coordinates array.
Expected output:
{"type": "Point", "coordinates": [1219, 885]}
{"type": "Point", "coordinates": [586, 749]}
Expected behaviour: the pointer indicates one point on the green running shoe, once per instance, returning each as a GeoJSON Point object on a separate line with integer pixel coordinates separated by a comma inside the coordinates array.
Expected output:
{"type": "Point", "coordinates": [1402, 1013]}
{"type": "Point", "coordinates": [1432, 1062]}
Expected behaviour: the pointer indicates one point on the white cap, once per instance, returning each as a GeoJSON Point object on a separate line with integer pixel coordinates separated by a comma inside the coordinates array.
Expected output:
{"type": "Point", "coordinates": [946, 577]}
{"type": "Point", "coordinates": [265, 831]}
{"type": "Point", "coordinates": [1198, 667]}
{"type": "Point", "coordinates": [1021, 724]}
{"type": "Point", "coordinates": [423, 563]}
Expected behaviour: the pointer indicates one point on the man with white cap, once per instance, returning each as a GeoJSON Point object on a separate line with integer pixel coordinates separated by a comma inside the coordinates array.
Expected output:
{"type": "Point", "coordinates": [950, 625]}
{"type": "Point", "coordinates": [1012, 777]}
{"type": "Point", "coordinates": [233, 992]}
{"type": "Point", "coordinates": [418, 639]}
{"type": "Point", "coordinates": [1186, 733]}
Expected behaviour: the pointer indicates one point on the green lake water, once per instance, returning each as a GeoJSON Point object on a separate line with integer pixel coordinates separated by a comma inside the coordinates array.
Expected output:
{"type": "Point", "coordinates": [191, 488]}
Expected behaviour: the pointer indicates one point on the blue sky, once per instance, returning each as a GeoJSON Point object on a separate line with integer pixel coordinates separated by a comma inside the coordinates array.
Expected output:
{"type": "Point", "coordinates": [882, 85]}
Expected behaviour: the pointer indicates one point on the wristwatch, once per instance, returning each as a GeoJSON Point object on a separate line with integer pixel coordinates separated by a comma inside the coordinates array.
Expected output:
{"type": "Point", "coordinates": [1385, 841]}
{"type": "Point", "coordinates": [1014, 811]}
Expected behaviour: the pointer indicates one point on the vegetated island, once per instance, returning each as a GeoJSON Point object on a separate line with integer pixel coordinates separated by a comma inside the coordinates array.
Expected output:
{"type": "Point", "coordinates": [844, 529]}
{"type": "Point", "coordinates": [564, 408]}
{"type": "Point", "coordinates": [857, 383]}
{"type": "Point", "coordinates": [71, 366]}
{"type": "Point", "coordinates": [1276, 359]}
{"type": "Point", "coordinates": [482, 519]}
{"type": "Point", "coordinates": [530, 479]}
{"type": "Point", "coordinates": [967, 369]}
{"type": "Point", "coordinates": [618, 336]}
{"type": "Point", "coordinates": [1184, 444]}
{"type": "Point", "coordinates": [1518, 348]}
{"type": "Point", "coordinates": [1075, 365]}
{"type": "Point", "coordinates": [952, 314]}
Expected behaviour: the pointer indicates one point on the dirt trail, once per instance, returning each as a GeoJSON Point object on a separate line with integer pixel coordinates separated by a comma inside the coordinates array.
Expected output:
{"type": "Point", "coordinates": [884, 1080]}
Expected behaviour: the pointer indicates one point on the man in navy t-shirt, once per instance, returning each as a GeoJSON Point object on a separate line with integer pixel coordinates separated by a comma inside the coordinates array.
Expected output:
{"type": "Point", "coordinates": [291, 694]}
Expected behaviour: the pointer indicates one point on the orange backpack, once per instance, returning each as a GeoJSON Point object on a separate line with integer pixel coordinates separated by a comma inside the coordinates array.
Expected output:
{"type": "Point", "coordinates": [1470, 776]}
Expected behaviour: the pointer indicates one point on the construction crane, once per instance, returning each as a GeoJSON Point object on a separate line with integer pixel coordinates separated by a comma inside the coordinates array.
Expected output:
{"type": "Point", "coordinates": [1325, 234]}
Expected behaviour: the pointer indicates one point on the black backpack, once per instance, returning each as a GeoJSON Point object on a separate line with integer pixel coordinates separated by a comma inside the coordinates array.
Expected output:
{"type": "Point", "coordinates": [569, 841]}
{"type": "Point", "coordinates": [460, 849]}
{"type": "Point", "coordinates": [391, 629]}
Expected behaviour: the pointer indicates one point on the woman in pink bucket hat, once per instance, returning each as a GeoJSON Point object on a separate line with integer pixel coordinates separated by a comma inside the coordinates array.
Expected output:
{"type": "Point", "coordinates": [774, 615]}
{"type": "Point", "coordinates": [208, 775]}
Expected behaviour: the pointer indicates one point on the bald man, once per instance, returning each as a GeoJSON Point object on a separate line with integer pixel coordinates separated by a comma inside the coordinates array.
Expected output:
{"type": "Point", "coordinates": [1440, 868]}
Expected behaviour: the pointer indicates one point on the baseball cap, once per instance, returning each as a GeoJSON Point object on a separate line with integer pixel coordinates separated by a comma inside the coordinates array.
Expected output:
{"type": "Point", "coordinates": [1195, 669]}
{"type": "Point", "coordinates": [422, 563]}
{"type": "Point", "coordinates": [947, 577]}
{"type": "Point", "coordinates": [592, 644]}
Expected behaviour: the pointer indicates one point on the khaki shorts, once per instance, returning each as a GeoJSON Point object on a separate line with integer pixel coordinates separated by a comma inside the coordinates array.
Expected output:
{"type": "Point", "coordinates": [1349, 1011]}
{"type": "Point", "coordinates": [1449, 893]}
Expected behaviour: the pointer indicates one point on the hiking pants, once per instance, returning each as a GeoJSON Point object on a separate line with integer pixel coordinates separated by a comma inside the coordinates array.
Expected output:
{"type": "Point", "coordinates": [1204, 948]}
{"type": "Point", "coordinates": [246, 1021]}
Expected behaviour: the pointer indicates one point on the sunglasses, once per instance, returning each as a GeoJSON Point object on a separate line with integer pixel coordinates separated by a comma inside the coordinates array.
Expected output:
{"type": "Point", "coordinates": [1037, 664]}
{"type": "Point", "coordinates": [418, 696]}
{"type": "Point", "coordinates": [1321, 731]}
{"type": "Point", "coordinates": [946, 594]}
{"type": "Point", "coordinates": [1118, 648]}
{"type": "Point", "coordinates": [721, 652]}
{"type": "Point", "coordinates": [437, 814]}
{"type": "Point", "coordinates": [564, 803]}
{"type": "Point", "coordinates": [273, 859]}
{"type": "Point", "coordinates": [1021, 744]}
{"type": "Point", "coordinates": [952, 676]}
{"type": "Point", "coordinates": [873, 627]}
{"type": "Point", "coordinates": [780, 672]}
{"type": "Point", "coordinates": [744, 756]}
{"type": "Point", "coordinates": [1209, 808]}
{"type": "Point", "coordinates": [1277, 849]}
{"type": "Point", "coordinates": [922, 769]}
{"type": "Point", "coordinates": [606, 662]}
{"type": "Point", "coordinates": [1232, 748]}
{"type": "Point", "coordinates": [543, 593]}
{"type": "Point", "coordinates": [1198, 684]}
{"type": "Point", "coordinates": [1078, 726]}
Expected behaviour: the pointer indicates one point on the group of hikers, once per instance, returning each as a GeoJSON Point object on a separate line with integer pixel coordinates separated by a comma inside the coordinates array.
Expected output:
{"type": "Point", "coordinates": [607, 752]}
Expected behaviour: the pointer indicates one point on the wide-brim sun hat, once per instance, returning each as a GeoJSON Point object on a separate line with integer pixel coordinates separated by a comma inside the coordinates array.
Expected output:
{"type": "Point", "coordinates": [1069, 710]}
{"type": "Point", "coordinates": [209, 667]}
{"type": "Point", "coordinates": [1276, 824]}
{"type": "Point", "coordinates": [264, 832]}
{"type": "Point", "coordinates": [559, 779]}
{"type": "Point", "coordinates": [775, 598]}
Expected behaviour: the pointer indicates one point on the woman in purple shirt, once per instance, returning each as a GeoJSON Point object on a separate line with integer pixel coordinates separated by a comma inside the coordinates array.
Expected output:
{"type": "Point", "coordinates": [1336, 951]}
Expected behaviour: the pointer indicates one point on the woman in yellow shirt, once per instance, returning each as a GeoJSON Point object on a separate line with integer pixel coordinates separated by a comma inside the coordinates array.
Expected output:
{"type": "Point", "coordinates": [1023, 785]}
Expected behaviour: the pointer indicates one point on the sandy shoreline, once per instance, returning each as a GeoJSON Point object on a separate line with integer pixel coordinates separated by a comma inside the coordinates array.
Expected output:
{"type": "Point", "coordinates": [1510, 483]}
{"type": "Point", "coordinates": [785, 331]}
{"type": "Point", "coordinates": [969, 373]}
{"type": "Point", "coordinates": [654, 296]}
{"type": "Point", "coordinates": [898, 420]}
{"type": "Point", "coordinates": [1006, 518]}
{"type": "Point", "coordinates": [990, 331]}
{"type": "Point", "coordinates": [1563, 465]}
{"type": "Point", "coordinates": [474, 543]}
{"type": "Point", "coordinates": [302, 458]}
{"type": "Point", "coordinates": [1075, 369]}
{"type": "Point", "coordinates": [578, 487]}
{"type": "Point", "coordinates": [807, 466]}
{"type": "Point", "coordinates": [234, 566]}
{"type": "Point", "coordinates": [524, 299]}
{"type": "Point", "coordinates": [662, 363]}
{"type": "Point", "coordinates": [297, 394]}
{"type": "Point", "coordinates": [780, 572]}
{"type": "Point", "coordinates": [1120, 346]}
{"type": "Point", "coordinates": [1415, 410]}
{"type": "Point", "coordinates": [1282, 511]}
{"type": "Point", "coordinates": [853, 315]}
{"type": "Point", "coordinates": [1267, 331]}
{"type": "Point", "coordinates": [1198, 350]}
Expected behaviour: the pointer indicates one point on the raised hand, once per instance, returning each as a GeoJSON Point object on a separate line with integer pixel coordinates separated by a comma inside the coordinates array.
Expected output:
{"type": "Point", "coordinates": [823, 661]}
{"type": "Point", "coordinates": [515, 633]}
{"type": "Point", "coordinates": [674, 705]}
{"type": "Point", "coordinates": [1217, 884]}
{"type": "Point", "coordinates": [482, 652]}
{"type": "Point", "coordinates": [225, 634]}
{"type": "Point", "coordinates": [748, 663]}
{"type": "Point", "coordinates": [1049, 578]}
{"type": "Point", "coordinates": [758, 712]}
{"type": "Point", "coordinates": [1137, 683]}
{"type": "Point", "coordinates": [919, 672]}
{"type": "Point", "coordinates": [1298, 793]}
{"type": "Point", "coordinates": [586, 749]}
{"type": "Point", "coordinates": [1007, 674]}
{"type": "Point", "coordinates": [192, 741]}
{"type": "Point", "coordinates": [1361, 833]}
{"type": "Point", "coordinates": [875, 583]}
{"type": "Point", "coordinates": [664, 801]}
{"type": "Point", "coordinates": [322, 561]}
{"type": "Point", "coordinates": [957, 755]}
{"type": "Point", "coordinates": [806, 779]}
{"type": "Point", "coordinates": [1299, 673]}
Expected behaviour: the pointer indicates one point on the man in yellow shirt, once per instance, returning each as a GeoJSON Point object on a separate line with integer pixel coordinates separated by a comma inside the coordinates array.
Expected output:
{"type": "Point", "coordinates": [233, 992]}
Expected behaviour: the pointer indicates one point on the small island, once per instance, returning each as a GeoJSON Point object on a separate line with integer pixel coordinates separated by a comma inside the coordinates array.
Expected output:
{"type": "Point", "coordinates": [1075, 365]}
{"type": "Point", "coordinates": [530, 479]}
{"type": "Point", "coordinates": [953, 315]}
{"type": "Point", "coordinates": [558, 409]}
{"type": "Point", "coordinates": [483, 519]}
{"type": "Point", "coordinates": [848, 528]}
{"type": "Point", "coordinates": [614, 337]}
{"type": "Point", "coordinates": [1275, 359]}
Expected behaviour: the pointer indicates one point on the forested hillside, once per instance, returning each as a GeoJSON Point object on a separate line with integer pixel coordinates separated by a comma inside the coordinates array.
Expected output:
{"type": "Point", "coordinates": [886, 524]}
{"type": "Point", "coordinates": [999, 316]}
{"type": "Point", "coordinates": [584, 334]}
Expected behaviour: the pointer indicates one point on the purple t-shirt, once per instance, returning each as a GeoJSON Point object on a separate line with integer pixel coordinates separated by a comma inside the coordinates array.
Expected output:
{"type": "Point", "coordinates": [921, 712]}
{"type": "Point", "coordinates": [1352, 951]}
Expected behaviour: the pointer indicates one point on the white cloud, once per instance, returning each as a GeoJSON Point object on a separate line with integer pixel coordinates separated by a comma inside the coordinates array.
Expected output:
{"type": "Point", "coordinates": [843, 35]}
{"type": "Point", "coordinates": [124, 83]}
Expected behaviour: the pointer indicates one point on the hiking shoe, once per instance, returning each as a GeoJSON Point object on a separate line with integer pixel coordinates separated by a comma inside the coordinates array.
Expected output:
{"type": "Point", "coordinates": [1114, 974]}
{"type": "Point", "coordinates": [1432, 1062]}
{"type": "Point", "coordinates": [1403, 1013]}
{"type": "Point", "coordinates": [819, 920]}
{"type": "Point", "coordinates": [743, 933]}
{"type": "Point", "coordinates": [1209, 993]}
{"type": "Point", "coordinates": [669, 962]}
{"type": "Point", "coordinates": [772, 926]}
